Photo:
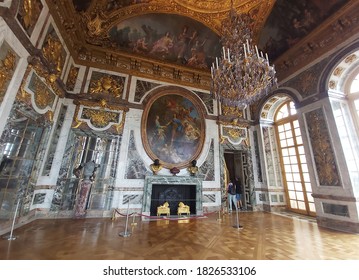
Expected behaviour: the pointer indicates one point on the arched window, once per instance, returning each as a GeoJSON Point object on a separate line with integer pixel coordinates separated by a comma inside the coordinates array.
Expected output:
{"type": "Point", "coordinates": [293, 161]}
{"type": "Point", "coordinates": [353, 94]}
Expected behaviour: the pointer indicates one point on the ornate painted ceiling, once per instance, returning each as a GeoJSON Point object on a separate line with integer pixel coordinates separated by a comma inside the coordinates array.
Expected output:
{"type": "Point", "coordinates": [179, 39]}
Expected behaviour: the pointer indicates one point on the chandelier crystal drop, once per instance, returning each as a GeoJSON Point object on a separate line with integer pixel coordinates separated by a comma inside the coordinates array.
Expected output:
{"type": "Point", "coordinates": [243, 74]}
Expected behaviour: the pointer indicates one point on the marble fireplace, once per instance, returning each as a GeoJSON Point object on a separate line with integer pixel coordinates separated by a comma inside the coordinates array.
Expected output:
{"type": "Point", "coordinates": [173, 189]}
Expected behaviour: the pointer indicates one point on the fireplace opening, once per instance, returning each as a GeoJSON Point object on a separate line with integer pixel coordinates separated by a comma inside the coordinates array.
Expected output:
{"type": "Point", "coordinates": [173, 194]}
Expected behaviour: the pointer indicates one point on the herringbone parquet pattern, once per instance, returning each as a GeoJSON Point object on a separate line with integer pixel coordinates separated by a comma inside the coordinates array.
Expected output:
{"type": "Point", "coordinates": [265, 236]}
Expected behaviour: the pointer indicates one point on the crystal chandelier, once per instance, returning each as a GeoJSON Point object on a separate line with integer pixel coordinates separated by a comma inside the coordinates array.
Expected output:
{"type": "Point", "coordinates": [243, 74]}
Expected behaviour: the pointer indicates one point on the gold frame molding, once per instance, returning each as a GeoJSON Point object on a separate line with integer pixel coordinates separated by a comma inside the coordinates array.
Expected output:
{"type": "Point", "coordinates": [186, 94]}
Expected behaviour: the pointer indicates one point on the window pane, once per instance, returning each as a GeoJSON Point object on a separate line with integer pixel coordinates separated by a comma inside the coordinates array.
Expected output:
{"type": "Point", "coordinates": [293, 204]}
{"type": "Point", "coordinates": [298, 186]}
{"type": "Point", "coordinates": [296, 177]}
{"type": "Point", "coordinates": [292, 195]}
{"type": "Point", "coordinates": [293, 159]}
{"type": "Point", "coordinates": [295, 168]}
{"type": "Point", "coordinates": [290, 142]}
{"type": "Point", "coordinates": [281, 136]}
{"type": "Point", "coordinates": [301, 205]}
{"type": "Point", "coordinates": [306, 177]}
{"type": "Point", "coordinates": [289, 177]}
{"type": "Point", "coordinates": [303, 159]}
{"type": "Point", "coordinates": [288, 134]}
{"type": "Point", "coordinates": [355, 85]}
{"type": "Point", "coordinates": [299, 140]}
{"type": "Point", "coordinates": [310, 198]}
{"type": "Point", "coordinates": [292, 151]}
{"type": "Point", "coordinates": [300, 196]}
{"type": "Point", "coordinates": [286, 160]}
{"type": "Point", "coordinates": [283, 143]}
{"type": "Point", "coordinates": [312, 207]}
{"type": "Point", "coordinates": [304, 168]}
{"type": "Point", "coordinates": [290, 185]}
{"type": "Point", "coordinates": [301, 150]}
{"type": "Point", "coordinates": [285, 152]}
{"type": "Point", "coordinates": [287, 168]}
{"type": "Point", "coordinates": [296, 124]}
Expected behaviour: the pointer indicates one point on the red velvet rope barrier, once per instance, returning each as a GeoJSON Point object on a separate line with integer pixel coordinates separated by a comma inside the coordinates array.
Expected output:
{"type": "Point", "coordinates": [166, 217]}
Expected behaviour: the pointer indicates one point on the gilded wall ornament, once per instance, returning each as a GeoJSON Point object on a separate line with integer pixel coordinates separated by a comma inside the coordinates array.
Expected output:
{"type": "Point", "coordinates": [7, 67]}
{"type": "Point", "coordinates": [107, 85]}
{"type": "Point", "coordinates": [95, 24]}
{"type": "Point", "coordinates": [232, 111]}
{"type": "Point", "coordinates": [29, 12]}
{"type": "Point", "coordinates": [72, 78]}
{"type": "Point", "coordinates": [53, 53]}
{"type": "Point", "coordinates": [100, 118]}
{"type": "Point", "coordinates": [43, 96]}
{"type": "Point", "coordinates": [351, 58]}
{"type": "Point", "coordinates": [235, 135]}
{"type": "Point", "coordinates": [323, 153]}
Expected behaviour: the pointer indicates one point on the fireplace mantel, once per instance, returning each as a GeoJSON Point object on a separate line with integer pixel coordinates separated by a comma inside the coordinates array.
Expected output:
{"type": "Point", "coordinates": [151, 180]}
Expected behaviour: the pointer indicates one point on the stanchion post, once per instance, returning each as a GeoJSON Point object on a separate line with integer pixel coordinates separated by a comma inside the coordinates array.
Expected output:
{"type": "Point", "coordinates": [237, 226]}
{"type": "Point", "coordinates": [11, 237]}
{"type": "Point", "coordinates": [126, 233]}
{"type": "Point", "coordinates": [133, 220]}
{"type": "Point", "coordinates": [219, 216]}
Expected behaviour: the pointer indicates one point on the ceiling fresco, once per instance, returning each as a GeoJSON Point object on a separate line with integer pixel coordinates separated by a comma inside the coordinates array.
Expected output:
{"type": "Point", "coordinates": [291, 20]}
{"type": "Point", "coordinates": [183, 36]}
{"type": "Point", "coordinates": [168, 37]}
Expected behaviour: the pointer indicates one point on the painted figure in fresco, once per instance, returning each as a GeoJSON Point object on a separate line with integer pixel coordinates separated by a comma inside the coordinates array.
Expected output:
{"type": "Point", "coordinates": [159, 134]}
{"type": "Point", "coordinates": [162, 46]}
{"type": "Point", "coordinates": [176, 128]}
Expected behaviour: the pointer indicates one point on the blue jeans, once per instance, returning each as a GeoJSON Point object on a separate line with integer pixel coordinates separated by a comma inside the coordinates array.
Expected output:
{"type": "Point", "coordinates": [232, 198]}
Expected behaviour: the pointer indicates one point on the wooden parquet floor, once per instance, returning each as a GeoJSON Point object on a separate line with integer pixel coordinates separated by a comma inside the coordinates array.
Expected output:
{"type": "Point", "coordinates": [264, 236]}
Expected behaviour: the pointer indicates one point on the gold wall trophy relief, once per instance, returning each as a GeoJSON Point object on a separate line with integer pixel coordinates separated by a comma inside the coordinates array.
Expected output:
{"type": "Point", "coordinates": [107, 85]}
{"type": "Point", "coordinates": [28, 14]}
{"type": "Point", "coordinates": [54, 53]}
{"type": "Point", "coordinates": [72, 78]}
{"type": "Point", "coordinates": [7, 67]}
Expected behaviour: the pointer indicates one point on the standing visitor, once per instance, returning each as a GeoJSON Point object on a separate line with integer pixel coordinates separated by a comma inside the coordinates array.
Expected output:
{"type": "Point", "coordinates": [238, 187]}
{"type": "Point", "coordinates": [231, 190]}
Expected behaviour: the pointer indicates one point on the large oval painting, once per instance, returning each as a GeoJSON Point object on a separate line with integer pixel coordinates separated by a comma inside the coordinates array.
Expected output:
{"type": "Point", "coordinates": [173, 128]}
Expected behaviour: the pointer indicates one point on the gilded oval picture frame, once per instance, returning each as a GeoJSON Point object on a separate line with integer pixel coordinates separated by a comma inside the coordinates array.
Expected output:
{"type": "Point", "coordinates": [173, 127]}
